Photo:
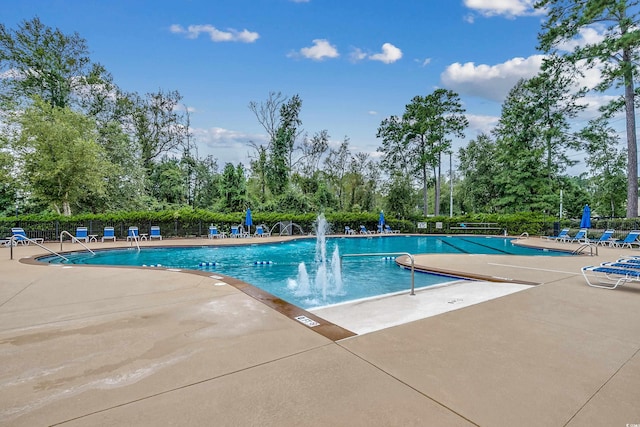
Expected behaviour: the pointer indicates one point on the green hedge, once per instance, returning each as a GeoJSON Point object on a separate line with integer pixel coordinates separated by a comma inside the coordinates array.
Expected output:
{"type": "Point", "coordinates": [189, 222]}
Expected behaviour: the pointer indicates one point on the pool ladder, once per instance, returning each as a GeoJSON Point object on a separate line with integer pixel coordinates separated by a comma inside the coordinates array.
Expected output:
{"type": "Point", "coordinates": [583, 247]}
{"type": "Point", "coordinates": [389, 254]}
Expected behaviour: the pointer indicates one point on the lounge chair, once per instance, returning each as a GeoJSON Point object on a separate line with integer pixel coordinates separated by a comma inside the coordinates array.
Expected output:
{"type": "Point", "coordinates": [20, 237]}
{"type": "Point", "coordinates": [363, 230]}
{"type": "Point", "coordinates": [388, 230]}
{"type": "Point", "coordinates": [349, 230]}
{"type": "Point", "coordinates": [261, 231]}
{"type": "Point", "coordinates": [109, 233]}
{"type": "Point", "coordinates": [215, 234]}
{"type": "Point", "coordinates": [580, 237]}
{"type": "Point", "coordinates": [630, 240]}
{"type": "Point", "coordinates": [561, 235]}
{"type": "Point", "coordinates": [609, 276]}
{"type": "Point", "coordinates": [154, 232]}
{"type": "Point", "coordinates": [238, 231]}
{"type": "Point", "coordinates": [605, 239]}
{"type": "Point", "coordinates": [82, 233]}
{"type": "Point", "coordinates": [132, 234]}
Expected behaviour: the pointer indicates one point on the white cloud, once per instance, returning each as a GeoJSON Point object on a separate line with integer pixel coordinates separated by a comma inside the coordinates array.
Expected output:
{"type": "Point", "coordinates": [481, 123]}
{"type": "Point", "coordinates": [423, 62]}
{"type": "Point", "coordinates": [389, 54]}
{"type": "Point", "coordinates": [231, 35]}
{"type": "Point", "coordinates": [490, 81]}
{"type": "Point", "coordinates": [507, 8]}
{"type": "Point", "coordinates": [372, 113]}
{"type": "Point", "coordinates": [357, 55]}
{"type": "Point", "coordinates": [228, 146]}
{"type": "Point", "coordinates": [320, 50]}
{"type": "Point", "coordinates": [588, 35]}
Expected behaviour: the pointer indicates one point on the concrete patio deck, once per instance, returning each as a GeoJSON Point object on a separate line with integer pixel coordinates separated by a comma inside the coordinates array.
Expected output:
{"type": "Point", "coordinates": [124, 346]}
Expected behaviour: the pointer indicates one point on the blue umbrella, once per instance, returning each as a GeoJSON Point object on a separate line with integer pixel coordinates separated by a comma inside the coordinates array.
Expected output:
{"type": "Point", "coordinates": [248, 220]}
{"type": "Point", "coordinates": [586, 217]}
{"type": "Point", "coordinates": [381, 218]}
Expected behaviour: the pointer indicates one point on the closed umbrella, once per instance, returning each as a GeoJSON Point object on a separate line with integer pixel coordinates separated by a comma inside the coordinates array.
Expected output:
{"type": "Point", "coordinates": [248, 220]}
{"type": "Point", "coordinates": [381, 222]}
{"type": "Point", "coordinates": [586, 217]}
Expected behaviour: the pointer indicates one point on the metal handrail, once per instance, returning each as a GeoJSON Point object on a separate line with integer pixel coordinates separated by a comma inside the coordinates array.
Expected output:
{"type": "Point", "coordinates": [63, 232]}
{"type": "Point", "coordinates": [584, 246]}
{"type": "Point", "coordinates": [134, 238]}
{"type": "Point", "coordinates": [389, 254]}
{"type": "Point", "coordinates": [14, 239]}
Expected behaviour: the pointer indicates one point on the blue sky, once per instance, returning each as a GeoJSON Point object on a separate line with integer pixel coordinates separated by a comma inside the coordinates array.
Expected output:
{"type": "Point", "coordinates": [353, 62]}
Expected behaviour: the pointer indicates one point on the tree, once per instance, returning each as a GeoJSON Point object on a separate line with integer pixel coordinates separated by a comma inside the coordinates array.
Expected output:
{"type": "Point", "coordinates": [520, 172]}
{"type": "Point", "coordinates": [479, 189]}
{"type": "Point", "coordinates": [419, 138]}
{"type": "Point", "coordinates": [62, 160]}
{"type": "Point", "coordinates": [313, 149]}
{"type": "Point", "coordinates": [233, 189]}
{"type": "Point", "coordinates": [616, 55]}
{"type": "Point", "coordinates": [607, 166]}
{"type": "Point", "coordinates": [159, 126]}
{"type": "Point", "coordinates": [400, 198]}
{"type": "Point", "coordinates": [336, 168]}
{"type": "Point", "coordinates": [532, 141]}
{"type": "Point", "coordinates": [125, 183]}
{"type": "Point", "coordinates": [44, 63]}
{"type": "Point", "coordinates": [281, 151]}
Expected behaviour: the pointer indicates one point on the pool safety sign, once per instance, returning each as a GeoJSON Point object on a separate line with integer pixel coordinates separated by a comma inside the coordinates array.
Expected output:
{"type": "Point", "coordinates": [305, 320]}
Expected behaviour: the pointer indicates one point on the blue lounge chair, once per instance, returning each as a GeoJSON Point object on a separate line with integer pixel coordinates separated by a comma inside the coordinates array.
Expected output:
{"type": "Point", "coordinates": [238, 231]}
{"type": "Point", "coordinates": [261, 231]}
{"type": "Point", "coordinates": [348, 230]}
{"type": "Point", "coordinates": [82, 233]}
{"type": "Point", "coordinates": [561, 235]}
{"type": "Point", "coordinates": [630, 240]}
{"type": "Point", "coordinates": [388, 230]}
{"type": "Point", "coordinates": [605, 239]}
{"type": "Point", "coordinates": [609, 276]}
{"type": "Point", "coordinates": [154, 232]}
{"type": "Point", "coordinates": [109, 233]}
{"type": "Point", "coordinates": [580, 237]}
{"type": "Point", "coordinates": [19, 236]}
{"type": "Point", "coordinates": [132, 234]}
{"type": "Point", "coordinates": [363, 230]}
{"type": "Point", "coordinates": [215, 234]}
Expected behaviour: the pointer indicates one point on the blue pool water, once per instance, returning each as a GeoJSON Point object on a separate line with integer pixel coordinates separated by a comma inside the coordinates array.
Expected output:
{"type": "Point", "coordinates": [295, 272]}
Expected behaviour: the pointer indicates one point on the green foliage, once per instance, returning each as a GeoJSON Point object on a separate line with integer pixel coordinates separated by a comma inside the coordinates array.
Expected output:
{"type": "Point", "coordinates": [62, 160]}
{"type": "Point", "coordinates": [415, 143]}
{"type": "Point", "coordinates": [616, 56]}
{"type": "Point", "coordinates": [47, 63]}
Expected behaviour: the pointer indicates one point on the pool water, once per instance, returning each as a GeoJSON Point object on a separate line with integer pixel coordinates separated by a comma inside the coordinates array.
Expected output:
{"type": "Point", "coordinates": [307, 272]}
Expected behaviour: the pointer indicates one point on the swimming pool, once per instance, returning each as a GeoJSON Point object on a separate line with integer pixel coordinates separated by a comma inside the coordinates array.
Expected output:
{"type": "Point", "coordinates": [307, 272]}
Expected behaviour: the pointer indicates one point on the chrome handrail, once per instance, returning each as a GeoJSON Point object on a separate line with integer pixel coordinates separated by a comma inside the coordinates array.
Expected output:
{"type": "Point", "coordinates": [13, 242]}
{"type": "Point", "coordinates": [389, 254]}
{"type": "Point", "coordinates": [134, 238]}
{"type": "Point", "coordinates": [63, 232]}
{"type": "Point", "coordinates": [584, 246]}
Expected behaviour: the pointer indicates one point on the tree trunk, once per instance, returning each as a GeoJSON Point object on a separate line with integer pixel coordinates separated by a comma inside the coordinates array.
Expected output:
{"type": "Point", "coordinates": [436, 205]}
{"type": "Point", "coordinates": [632, 146]}
{"type": "Point", "coordinates": [425, 195]}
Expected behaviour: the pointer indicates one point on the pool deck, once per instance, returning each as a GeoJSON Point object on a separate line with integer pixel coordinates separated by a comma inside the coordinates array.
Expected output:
{"type": "Point", "coordinates": [86, 346]}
